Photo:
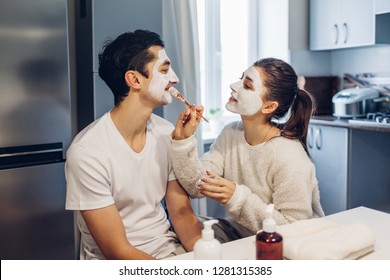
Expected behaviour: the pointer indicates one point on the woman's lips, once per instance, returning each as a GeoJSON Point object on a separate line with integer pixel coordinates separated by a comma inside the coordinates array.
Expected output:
{"type": "Point", "coordinates": [232, 99]}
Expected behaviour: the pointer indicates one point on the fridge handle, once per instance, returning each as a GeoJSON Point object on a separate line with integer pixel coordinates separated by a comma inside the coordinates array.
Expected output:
{"type": "Point", "coordinates": [83, 9]}
{"type": "Point", "coordinates": [22, 156]}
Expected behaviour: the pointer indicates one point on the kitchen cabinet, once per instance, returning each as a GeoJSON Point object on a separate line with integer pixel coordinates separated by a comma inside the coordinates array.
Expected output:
{"type": "Point", "coordinates": [336, 24]}
{"type": "Point", "coordinates": [328, 147]}
{"type": "Point", "coordinates": [369, 162]}
{"type": "Point", "coordinates": [352, 165]}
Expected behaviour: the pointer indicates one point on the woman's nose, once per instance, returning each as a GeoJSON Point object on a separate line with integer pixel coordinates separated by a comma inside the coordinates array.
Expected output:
{"type": "Point", "coordinates": [235, 86]}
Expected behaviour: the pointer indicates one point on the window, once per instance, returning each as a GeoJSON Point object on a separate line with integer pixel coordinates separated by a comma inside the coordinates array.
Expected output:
{"type": "Point", "coordinates": [229, 40]}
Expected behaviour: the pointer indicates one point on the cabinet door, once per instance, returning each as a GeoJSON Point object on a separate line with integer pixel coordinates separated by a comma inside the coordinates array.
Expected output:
{"type": "Point", "coordinates": [328, 147]}
{"type": "Point", "coordinates": [357, 23]}
{"type": "Point", "coordinates": [324, 29]}
{"type": "Point", "coordinates": [336, 24]}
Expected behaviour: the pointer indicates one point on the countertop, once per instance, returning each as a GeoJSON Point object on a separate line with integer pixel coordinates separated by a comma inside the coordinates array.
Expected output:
{"type": "Point", "coordinates": [340, 122]}
{"type": "Point", "coordinates": [377, 221]}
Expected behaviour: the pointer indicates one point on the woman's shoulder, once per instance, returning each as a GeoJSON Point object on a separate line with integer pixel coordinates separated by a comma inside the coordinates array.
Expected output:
{"type": "Point", "coordinates": [233, 127]}
{"type": "Point", "coordinates": [231, 130]}
{"type": "Point", "coordinates": [285, 149]}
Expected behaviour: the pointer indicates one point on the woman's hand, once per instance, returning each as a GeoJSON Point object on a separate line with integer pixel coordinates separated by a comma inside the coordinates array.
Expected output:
{"type": "Point", "coordinates": [217, 188]}
{"type": "Point", "coordinates": [187, 123]}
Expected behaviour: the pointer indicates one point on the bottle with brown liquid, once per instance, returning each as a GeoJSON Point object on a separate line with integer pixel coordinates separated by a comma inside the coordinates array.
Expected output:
{"type": "Point", "coordinates": [269, 243]}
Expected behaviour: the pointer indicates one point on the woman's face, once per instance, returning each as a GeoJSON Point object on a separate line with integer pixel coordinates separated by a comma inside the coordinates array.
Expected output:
{"type": "Point", "coordinates": [245, 97]}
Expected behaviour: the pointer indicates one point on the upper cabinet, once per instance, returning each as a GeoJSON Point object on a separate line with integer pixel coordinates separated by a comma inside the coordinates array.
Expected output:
{"type": "Point", "coordinates": [338, 24]}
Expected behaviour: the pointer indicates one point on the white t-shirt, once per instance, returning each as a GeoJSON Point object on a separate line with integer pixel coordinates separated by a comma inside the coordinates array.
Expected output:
{"type": "Point", "coordinates": [101, 170]}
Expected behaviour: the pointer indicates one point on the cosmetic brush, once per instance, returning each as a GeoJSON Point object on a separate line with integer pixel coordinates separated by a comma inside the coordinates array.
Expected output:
{"type": "Point", "coordinates": [179, 96]}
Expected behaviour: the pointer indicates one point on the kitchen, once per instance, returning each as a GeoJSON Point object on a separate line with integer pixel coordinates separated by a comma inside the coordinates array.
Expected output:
{"type": "Point", "coordinates": [358, 159]}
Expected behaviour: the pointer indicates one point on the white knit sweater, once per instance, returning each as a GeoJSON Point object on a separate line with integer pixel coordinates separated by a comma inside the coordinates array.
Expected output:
{"type": "Point", "coordinates": [278, 171]}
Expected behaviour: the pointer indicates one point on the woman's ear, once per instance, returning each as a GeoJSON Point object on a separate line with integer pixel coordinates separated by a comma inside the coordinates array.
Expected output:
{"type": "Point", "coordinates": [269, 107]}
{"type": "Point", "coordinates": [132, 79]}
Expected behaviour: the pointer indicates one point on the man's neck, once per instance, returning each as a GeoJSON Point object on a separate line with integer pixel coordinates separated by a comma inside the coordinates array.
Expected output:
{"type": "Point", "coordinates": [131, 120]}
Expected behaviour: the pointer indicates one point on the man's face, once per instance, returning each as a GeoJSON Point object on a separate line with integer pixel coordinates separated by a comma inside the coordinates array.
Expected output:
{"type": "Point", "coordinates": [163, 77]}
{"type": "Point", "coordinates": [245, 97]}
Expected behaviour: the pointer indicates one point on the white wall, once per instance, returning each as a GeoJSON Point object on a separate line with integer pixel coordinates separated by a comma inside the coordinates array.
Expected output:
{"type": "Point", "coordinates": [273, 21]}
{"type": "Point", "coordinates": [307, 63]}
{"type": "Point", "coordinates": [374, 60]}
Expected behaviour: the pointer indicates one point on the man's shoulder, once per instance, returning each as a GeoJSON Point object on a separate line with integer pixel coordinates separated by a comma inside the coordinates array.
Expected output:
{"type": "Point", "coordinates": [91, 135]}
{"type": "Point", "coordinates": [160, 124]}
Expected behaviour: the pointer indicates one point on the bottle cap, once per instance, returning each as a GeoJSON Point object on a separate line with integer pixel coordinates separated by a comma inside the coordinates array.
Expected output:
{"type": "Point", "coordinates": [269, 223]}
{"type": "Point", "coordinates": [208, 232]}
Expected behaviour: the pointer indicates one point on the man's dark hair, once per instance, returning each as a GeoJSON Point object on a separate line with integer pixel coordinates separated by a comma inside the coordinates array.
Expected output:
{"type": "Point", "coordinates": [129, 51]}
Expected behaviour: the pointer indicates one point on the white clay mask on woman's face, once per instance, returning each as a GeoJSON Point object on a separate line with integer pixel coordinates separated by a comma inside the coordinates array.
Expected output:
{"type": "Point", "coordinates": [161, 78]}
{"type": "Point", "coordinates": [245, 99]}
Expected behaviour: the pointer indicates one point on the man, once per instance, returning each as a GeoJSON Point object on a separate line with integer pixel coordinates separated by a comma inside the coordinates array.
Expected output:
{"type": "Point", "coordinates": [119, 168]}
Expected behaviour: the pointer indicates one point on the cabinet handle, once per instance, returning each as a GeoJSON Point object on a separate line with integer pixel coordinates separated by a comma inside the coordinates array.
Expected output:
{"type": "Point", "coordinates": [345, 26]}
{"type": "Point", "coordinates": [336, 33]}
{"type": "Point", "coordinates": [318, 139]}
{"type": "Point", "coordinates": [310, 138]}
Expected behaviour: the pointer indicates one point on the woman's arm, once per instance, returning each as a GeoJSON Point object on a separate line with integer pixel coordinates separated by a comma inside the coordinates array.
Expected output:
{"type": "Point", "coordinates": [291, 191]}
{"type": "Point", "coordinates": [187, 166]}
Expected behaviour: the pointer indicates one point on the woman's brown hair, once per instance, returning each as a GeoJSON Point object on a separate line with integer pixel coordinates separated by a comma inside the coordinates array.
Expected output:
{"type": "Point", "coordinates": [281, 83]}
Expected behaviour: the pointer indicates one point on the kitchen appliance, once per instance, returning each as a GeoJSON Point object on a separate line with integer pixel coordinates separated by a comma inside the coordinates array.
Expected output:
{"type": "Point", "coordinates": [35, 130]}
{"type": "Point", "coordinates": [378, 119]}
{"type": "Point", "coordinates": [355, 102]}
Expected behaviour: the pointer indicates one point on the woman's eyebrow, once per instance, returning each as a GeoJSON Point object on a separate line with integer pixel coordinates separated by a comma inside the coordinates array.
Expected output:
{"type": "Point", "coordinates": [249, 78]}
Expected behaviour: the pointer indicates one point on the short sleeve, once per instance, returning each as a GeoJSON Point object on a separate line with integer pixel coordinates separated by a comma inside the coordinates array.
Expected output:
{"type": "Point", "coordinates": [87, 180]}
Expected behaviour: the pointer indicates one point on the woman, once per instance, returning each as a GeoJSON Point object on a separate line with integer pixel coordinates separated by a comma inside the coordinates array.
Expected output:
{"type": "Point", "coordinates": [260, 160]}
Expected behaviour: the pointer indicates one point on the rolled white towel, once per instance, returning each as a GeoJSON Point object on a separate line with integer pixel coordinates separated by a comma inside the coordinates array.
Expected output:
{"type": "Point", "coordinates": [319, 239]}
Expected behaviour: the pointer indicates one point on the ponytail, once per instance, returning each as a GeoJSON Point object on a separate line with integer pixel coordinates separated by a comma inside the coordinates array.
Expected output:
{"type": "Point", "coordinates": [297, 125]}
{"type": "Point", "coordinates": [295, 105]}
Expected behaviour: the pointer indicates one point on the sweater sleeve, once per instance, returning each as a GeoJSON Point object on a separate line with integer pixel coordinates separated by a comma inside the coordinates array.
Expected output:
{"type": "Point", "coordinates": [291, 185]}
{"type": "Point", "coordinates": [189, 168]}
{"type": "Point", "coordinates": [186, 164]}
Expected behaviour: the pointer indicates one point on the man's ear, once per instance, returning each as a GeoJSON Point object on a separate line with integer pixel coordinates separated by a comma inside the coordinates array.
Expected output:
{"type": "Point", "coordinates": [132, 79]}
{"type": "Point", "coordinates": [269, 107]}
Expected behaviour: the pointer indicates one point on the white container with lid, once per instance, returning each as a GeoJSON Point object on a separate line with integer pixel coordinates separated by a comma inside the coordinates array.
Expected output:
{"type": "Point", "coordinates": [208, 248]}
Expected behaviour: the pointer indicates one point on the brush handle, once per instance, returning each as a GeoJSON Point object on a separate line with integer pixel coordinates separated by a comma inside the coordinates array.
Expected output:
{"type": "Point", "coordinates": [179, 96]}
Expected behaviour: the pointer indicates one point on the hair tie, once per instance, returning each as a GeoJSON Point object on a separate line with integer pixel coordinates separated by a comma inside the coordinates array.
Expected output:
{"type": "Point", "coordinates": [286, 116]}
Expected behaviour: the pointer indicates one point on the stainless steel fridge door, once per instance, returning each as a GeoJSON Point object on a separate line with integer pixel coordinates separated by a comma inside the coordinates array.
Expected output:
{"type": "Point", "coordinates": [34, 78]}
{"type": "Point", "coordinates": [33, 219]}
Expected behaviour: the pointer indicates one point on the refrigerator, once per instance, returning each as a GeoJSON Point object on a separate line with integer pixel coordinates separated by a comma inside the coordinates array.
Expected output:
{"type": "Point", "coordinates": [35, 130]}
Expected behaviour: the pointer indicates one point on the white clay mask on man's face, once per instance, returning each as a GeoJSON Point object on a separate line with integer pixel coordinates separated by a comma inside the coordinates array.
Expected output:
{"type": "Point", "coordinates": [245, 99]}
{"type": "Point", "coordinates": [162, 76]}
